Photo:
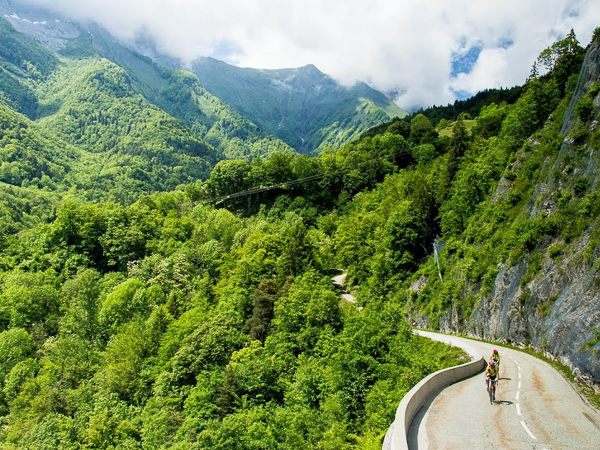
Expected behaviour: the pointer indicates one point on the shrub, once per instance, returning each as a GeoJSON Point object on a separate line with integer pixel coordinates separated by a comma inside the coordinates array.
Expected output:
{"type": "Point", "coordinates": [580, 185]}
{"type": "Point", "coordinates": [579, 134]}
{"type": "Point", "coordinates": [584, 108]}
{"type": "Point", "coordinates": [544, 308]}
{"type": "Point", "coordinates": [555, 250]}
{"type": "Point", "coordinates": [514, 197]}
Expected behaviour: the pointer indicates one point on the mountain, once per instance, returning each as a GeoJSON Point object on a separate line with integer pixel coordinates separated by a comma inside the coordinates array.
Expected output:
{"type": "Point", "coordinates": [23, 62]}
{"type": "Point", "coordinates": [237, 110]}
{"type": "Point", "coordinates": [177, 92]}
{"type": "Point", "coordinates": [34, 163]}
{"type": "Point", "coordinates": [303, 107]}
{"type": "Point", "coordinates": [124, 144]}
{"type": "Point", "coordinates": [130, 126]}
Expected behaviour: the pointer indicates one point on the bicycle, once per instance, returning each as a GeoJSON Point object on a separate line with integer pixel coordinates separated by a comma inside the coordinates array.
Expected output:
{"type": "Point", "coordinates": [491, 388]}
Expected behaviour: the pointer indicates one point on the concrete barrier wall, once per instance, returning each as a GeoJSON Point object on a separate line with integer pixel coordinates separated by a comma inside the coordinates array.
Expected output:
{"type": "Point", "coordinates": [418, 395]}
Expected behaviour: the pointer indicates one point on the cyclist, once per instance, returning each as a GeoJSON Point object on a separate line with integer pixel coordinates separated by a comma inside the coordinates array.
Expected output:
{"type": "Point", "coordinates": [491, 375]}
{"type": "Point", "coordinates": [496, 358]}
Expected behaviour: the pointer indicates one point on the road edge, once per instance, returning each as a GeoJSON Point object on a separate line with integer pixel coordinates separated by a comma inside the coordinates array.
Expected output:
{"type": "Point", "coordinates": [420, 393]}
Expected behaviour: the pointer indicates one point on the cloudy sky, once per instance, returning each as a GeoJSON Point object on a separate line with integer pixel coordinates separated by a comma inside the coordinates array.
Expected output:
{"type": "Point", "coordinates": [428, 52]}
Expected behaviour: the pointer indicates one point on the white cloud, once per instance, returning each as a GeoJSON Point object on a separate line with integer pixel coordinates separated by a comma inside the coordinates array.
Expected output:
{"type": "Point", "coordinates": [491, 69]}
{"type": "Point", "coordinates": [392, 44]}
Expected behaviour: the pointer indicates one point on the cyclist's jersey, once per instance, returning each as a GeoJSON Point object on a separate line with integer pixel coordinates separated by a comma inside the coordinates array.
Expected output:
{"type": "Point", "coordinates": [496, 357]}
{"type": "Point", "coordinates": [492, 371]}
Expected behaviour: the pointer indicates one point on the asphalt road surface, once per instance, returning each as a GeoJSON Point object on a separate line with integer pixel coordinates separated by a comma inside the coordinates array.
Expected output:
{"type": "Point", "coordinates": [535, 409]}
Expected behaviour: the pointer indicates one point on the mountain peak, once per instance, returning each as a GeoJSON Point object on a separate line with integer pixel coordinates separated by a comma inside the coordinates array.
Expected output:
{"type": "Point", "coordinates": [311, 68]}
{"type": "Point", "coordinates": [298, 105]}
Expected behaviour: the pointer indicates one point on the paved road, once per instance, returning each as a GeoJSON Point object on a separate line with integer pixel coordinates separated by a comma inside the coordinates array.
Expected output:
{"type": "Point", "coordinates": [536, 408]}
{"type": "Point", "coordinates": [338, 282]}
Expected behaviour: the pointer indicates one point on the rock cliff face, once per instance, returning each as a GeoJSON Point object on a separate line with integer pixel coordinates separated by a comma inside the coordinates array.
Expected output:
{"type": "Point", "coordinates": [557, 310]}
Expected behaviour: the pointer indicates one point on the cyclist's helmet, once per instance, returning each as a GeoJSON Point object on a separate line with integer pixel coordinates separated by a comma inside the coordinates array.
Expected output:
{"type": "Point", "coordinates": [495, 352]}
{"type": "Point", "coordinates": [492, 363]}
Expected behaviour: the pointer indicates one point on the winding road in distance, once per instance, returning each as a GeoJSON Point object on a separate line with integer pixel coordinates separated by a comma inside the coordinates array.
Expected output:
{"type": "Point", "coordinates": [536, 409]}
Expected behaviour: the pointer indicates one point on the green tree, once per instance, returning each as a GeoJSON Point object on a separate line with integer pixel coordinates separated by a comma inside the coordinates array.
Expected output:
{"type": "Point", "coordinates": [490, 120]}
{"type": "Point", "coordinates": [459, 145]}
{"type": "Point", "coordinates": [296, 256]}
{"type": "Point", "coordinates": [121, 306]}
{"type": "Point", "coordinates": [558, 52]}
{"type": "Point", "coordinates": [403, 234]}
{"type": "Point", "coordinates": [125, 356]}
{"type": "Point", "coordinates": [355, 243]}
{"type": "Point", "coordinates": [82, 293]}
{"type": "Point", "coordinates": [258, 326]}
{"type": "Point", "coordinates": [422, 130]}
{"type": "Point", "coordinates": [229, 177]}
{"type": "Point", "coordinates": [16, 345]}
{"type": "Point", "coordinates": [27, 299]}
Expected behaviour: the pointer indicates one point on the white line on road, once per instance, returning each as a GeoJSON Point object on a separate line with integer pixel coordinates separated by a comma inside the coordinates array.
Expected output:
{"type": "Point", "coordinates": [528, 431]}
{"type": "Point", "coordinates": [517, 396]}
{"type": "Point", "coordinates": [519, 375]}
{"type": "Point", "coordinates": [519, 387]}
{"type": "Point", "coordinates": [518, 409]}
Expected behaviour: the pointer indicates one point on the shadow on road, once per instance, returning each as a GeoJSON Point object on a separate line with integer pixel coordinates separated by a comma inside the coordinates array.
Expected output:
{"type": "Point", "coordinates": [413, 430]}
{"type": "Point", "coordinates": [504, 402]}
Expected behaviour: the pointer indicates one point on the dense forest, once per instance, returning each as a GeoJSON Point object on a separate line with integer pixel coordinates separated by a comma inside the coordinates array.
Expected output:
{"type": "Point", "coordinates": [164, 320]}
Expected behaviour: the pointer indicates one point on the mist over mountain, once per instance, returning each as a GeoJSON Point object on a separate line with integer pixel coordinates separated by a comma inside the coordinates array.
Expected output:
{"type": "Point", "coordinates": [303, 107]}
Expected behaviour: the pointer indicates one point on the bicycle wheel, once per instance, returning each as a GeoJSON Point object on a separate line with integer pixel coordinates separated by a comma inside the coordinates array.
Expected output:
{"type": "Point", "coordinates": [490, 392]}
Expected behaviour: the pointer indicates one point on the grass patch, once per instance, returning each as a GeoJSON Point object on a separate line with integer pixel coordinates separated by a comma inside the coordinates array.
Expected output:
{"type": "Point", "coordinates": [555, 251]}
{"type": "Point", "coordinates": [545, 307]}
{"type": "Point", "coordinates": [469, 125]}
{"type": "Point", "coordinates": [589, 344]}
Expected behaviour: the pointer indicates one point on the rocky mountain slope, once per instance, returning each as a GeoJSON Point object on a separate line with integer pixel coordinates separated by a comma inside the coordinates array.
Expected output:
{"type": "Point", "coordinates": [546, 294]}
{"type": "Point", "coordinates": [303, 107]}
{"type": "Point", "coordinates": [563, 314]}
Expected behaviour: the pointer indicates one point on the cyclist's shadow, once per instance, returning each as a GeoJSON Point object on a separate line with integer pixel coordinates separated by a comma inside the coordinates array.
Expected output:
{"type": "Point", "coordinates": [504, 402]}
{"type": "Point", "coordinates": [506, 379]}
